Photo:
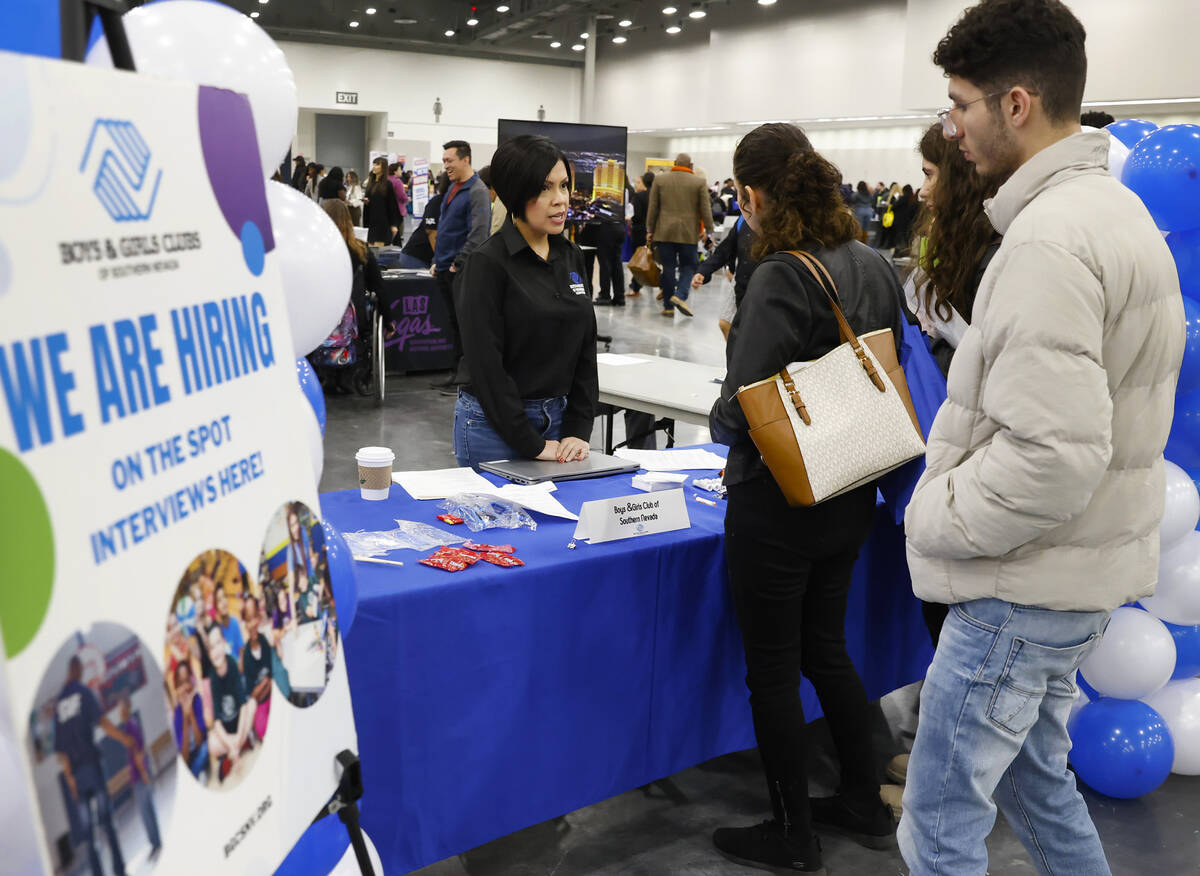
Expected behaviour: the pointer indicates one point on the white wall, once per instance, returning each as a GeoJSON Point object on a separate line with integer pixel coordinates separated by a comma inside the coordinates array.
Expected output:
{"type": "Point", "coordinates": [403, 85]}
{"type": "Point", "coordinates": [1135, 50]}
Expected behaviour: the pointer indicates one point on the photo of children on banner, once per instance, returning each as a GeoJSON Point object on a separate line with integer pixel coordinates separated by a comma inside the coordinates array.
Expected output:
{"type": "Point", "coordinates": [101, 754]}
{"type": "Point", "coordinates": [219, 663]}
{"type": "Point", "coordinates": [294, 575]}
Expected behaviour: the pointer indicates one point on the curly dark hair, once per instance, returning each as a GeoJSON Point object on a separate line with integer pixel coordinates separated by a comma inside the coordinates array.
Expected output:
{"type": "Point", "coordinates": [953, 249]}
{"type": "Point", "coordinates": [1038, 44]}
{"type": "Point", "coordinates": [803, 189]}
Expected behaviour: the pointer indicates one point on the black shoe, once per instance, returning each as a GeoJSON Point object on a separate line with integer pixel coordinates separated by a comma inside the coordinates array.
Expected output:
{"type": "Point", "coordinates": [765, 847]}
{"type": "Point", "coordinates": [618, 303]}
{"type": "Point", "coordinates": [603, 302]}
{"type": "Point", "coordinates": [450, 389]}
{"type": "Point", "coordinates": [449, 381]}
{"type": "Point", "coordinates": [868, 824]}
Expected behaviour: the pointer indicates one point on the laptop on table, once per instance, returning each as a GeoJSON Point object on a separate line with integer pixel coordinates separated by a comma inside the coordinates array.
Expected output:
{"type": "Point", "coordinates": [537, 471]}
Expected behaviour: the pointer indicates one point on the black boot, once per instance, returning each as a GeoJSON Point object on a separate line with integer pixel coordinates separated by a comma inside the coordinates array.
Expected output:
{"type": "Point", "coordinates": [868, 822]}
{"type": "Point", "coordinates": [767, 847]}
{"type": "Point", "coordinates": [785, 844]}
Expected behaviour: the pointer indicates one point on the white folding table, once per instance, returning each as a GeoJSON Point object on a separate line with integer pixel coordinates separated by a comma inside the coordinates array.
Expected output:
{"type": "Point", "coordinates": [663, 387]}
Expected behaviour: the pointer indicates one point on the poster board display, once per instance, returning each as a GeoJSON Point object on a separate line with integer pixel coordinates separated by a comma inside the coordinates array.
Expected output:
{"type": "Point", "coordinates": [597, 154]}
{"type": "Point", "coordinates": [419, 196]}
{"type": "Point", "coordinates": [659, 165]}
{"type": "Point", "coordinates": [160, 533]}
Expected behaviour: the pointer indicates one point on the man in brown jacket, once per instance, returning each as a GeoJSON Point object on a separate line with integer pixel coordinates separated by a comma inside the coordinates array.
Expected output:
{"type": "Point", "coordinates": [679, 204]}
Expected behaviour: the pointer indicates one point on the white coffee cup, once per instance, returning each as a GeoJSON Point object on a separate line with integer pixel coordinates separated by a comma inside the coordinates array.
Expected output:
{"type": "Point", "coordinates": [374, 472]}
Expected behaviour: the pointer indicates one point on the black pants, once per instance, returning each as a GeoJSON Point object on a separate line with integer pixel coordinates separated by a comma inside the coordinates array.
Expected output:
{"type": "Point", "coordinates": [446, 281]}
{"type": "Point", "coordinates": [612, 272]}
{"type": "Point", "coordinates": [789, 570]}
{"type": "Point", "coordinates": [638, 233]}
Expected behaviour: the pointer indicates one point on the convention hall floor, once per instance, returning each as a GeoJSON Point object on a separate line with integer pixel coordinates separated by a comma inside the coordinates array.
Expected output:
{"type": "Point", "coordinates": [665, 827]}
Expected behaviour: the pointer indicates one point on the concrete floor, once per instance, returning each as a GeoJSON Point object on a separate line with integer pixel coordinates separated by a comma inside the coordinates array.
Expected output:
{"type": "Point", "coordinates": [664, 828]}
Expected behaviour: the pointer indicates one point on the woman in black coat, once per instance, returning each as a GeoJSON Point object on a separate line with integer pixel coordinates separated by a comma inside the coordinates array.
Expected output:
{"type": "Point", "coordinates": [381, 216]}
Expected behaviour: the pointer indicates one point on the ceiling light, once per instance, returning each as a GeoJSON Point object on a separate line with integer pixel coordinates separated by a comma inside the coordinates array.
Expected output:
{"type": "Point", "coordinates": [471, 22]}
{"type": "Point", "coordinates": [541, 35]}
{"type": "Point", "coordinates": [556, 45]}
{"type": "Point", "coordinates": [354, 24]}
{"type": "Point", "coordinates": [254, 15]}
{"type": "Point", "coordinates": [370, 10]}
{"type": "Point", "coordinates": [578, 47]}
{"type": "Point", "coordinates": [404, 21]}
{"type": "Point", "coordinates": [502, 9]}
{"type": "Point", "coordinates": [625, 22]}
{"type": "Point", "coordinates": [618, 40]}
{"type": "Point", "coordinates": [450, 32]}
{"type": "Point", "coordinates": [264, 2]}
{"type": "Point", "coordinates": [669, 10]}
{"type": "Point", "coordinates": [674, 28]}
{"type": "Point", "coordinates": [584, 35]}
{"type": "Point", "coordinates": [697, 11]}
{"type": "Point", "coordinates": [766, 2]}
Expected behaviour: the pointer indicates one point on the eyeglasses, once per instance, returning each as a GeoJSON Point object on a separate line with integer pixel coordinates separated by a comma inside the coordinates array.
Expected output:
{"type": "Point", "coordinates": [947, 120]}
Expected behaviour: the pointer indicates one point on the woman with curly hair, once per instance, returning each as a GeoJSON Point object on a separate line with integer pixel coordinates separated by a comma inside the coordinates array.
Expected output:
{"type": "Point", "coordinates": [790, 568]}
{"type": "Point", "coordinates": [952, 254]}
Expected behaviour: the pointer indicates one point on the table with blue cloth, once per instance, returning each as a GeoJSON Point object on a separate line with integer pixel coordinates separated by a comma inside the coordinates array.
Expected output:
{"type": "Point", "coordinates": [492, 699]}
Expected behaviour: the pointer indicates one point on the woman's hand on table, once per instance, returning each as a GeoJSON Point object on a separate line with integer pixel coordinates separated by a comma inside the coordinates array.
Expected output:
{"type": "Point", "coordinates": [550, 451]}
{"type": "Point", "coordinates": [572, 449]}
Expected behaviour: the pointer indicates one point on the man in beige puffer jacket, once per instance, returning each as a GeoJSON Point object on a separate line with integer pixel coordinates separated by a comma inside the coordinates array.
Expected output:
{"type": "Point", "coordinates": [1038, 512]}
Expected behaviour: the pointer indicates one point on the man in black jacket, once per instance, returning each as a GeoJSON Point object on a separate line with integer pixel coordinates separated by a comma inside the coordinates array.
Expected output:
{"type": "Point", "coordinates": [734, 253]}
{"type": "Point", "coordinates": [299, 173]}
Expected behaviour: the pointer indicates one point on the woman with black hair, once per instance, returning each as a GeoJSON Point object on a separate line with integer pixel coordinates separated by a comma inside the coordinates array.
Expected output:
{"type": "Point", "coordinates": [790, 568]}
{"type": "Point", "coordinates": [380, 213]}
{"type": "Point", "coordinates": [528, 328]}
{"type": "Point", "coordinates": [333, 187]}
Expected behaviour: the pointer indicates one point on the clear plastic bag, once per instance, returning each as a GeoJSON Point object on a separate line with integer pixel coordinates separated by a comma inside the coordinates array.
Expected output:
{"type": "Point", "coordinates": [481, 512]}
{"type": "Point", "coordinates": [408, 534]}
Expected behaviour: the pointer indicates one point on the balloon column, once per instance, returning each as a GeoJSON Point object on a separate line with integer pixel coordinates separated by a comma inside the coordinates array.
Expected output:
{"type": "Point", "coordinates": [1145, 722]}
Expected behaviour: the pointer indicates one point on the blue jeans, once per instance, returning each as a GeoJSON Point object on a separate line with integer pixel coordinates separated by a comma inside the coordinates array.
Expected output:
{"type": "Point", "coordinates": [993, 724]}
{"type": "Point", "coordinates": [475, 440]}
{"type": "Point", "coordinates": [684, 257]}
{"type": "Point", "coordinates": [144, 796]}
{"type": "Point", "coordinates": [91, 788]}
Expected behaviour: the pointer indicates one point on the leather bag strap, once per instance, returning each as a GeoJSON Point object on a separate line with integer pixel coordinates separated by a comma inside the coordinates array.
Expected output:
{"type": "Point", "coordinates": [825, 281]}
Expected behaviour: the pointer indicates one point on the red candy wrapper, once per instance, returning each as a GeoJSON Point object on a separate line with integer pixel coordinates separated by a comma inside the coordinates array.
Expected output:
{"type": "Point", "coordinates": [490, 548]}
{"type": "Point", "coordinates": [446, 564]}
{"type": "Point", "coordinates": [449, 518]}
{"type": "Point", "coordinates": [497, 559]}
{"type": "Point", "coordinates": [458, 554]}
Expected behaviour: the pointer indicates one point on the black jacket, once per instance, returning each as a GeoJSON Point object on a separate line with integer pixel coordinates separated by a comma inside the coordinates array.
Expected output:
{"type": "Point", "coordinates": [733, 252]}
{"type": "Point", "coordinates": [786, 318]}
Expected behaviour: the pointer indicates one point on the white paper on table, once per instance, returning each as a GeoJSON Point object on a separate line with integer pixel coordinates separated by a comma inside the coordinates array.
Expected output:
{"type": "Point", "coordinates": [618, 359]}
{"type": "Point", "coordinates": [535, 497]}
{"type": "Point", "coordinates": [442, 483]}
{"type": "Point", "coordinates": [673, 460]}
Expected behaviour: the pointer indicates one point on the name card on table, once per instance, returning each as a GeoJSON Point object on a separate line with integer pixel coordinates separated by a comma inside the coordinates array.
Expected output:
{"type": "Point", "coordinates": [630, 516]}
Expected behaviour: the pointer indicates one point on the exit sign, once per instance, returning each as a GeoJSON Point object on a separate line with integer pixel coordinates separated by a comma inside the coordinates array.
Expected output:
{"type": "Point", "coordinates": [347, 97]}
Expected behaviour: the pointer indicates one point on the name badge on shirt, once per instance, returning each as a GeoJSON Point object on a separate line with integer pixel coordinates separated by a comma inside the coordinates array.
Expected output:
{"type": "Point", "coordinates": [577, 284]}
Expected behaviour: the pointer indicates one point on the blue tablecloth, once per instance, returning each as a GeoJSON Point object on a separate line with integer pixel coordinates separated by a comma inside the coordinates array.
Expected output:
{"type": "Point", "coordinates": [493, 699]}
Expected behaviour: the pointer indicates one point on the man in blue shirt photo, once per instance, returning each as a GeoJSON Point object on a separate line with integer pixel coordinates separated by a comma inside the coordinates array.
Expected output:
{"type": "Point", "coordinates": [77, 714]}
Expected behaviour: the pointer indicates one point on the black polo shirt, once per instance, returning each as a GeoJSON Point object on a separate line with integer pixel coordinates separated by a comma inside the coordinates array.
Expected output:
{"type": "Point", "coordinates": [528, 332]}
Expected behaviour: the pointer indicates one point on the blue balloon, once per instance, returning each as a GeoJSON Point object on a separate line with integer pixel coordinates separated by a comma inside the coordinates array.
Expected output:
{"type": "Point", "coordinates": [1189, 371]}
{"type": "Point", "coordinates": [1183, 442]}
{"type": "Point", "coordinates": [1129, 131]}
{"type": "Point", "coordinates": [1164, 171]}
{"type": "Point", "coordinates": [1185, 247]}
{"type": "Point", "coordinates": [1081, 682]}
{"type": "Point", "coordinates": [1121, 748]}
{"type": "Point", "coordinates": [1187, 650]}
{"type": "Point", "coordinates": [311, 386]}
{"type": "Point", "coordinates": [341, 577]}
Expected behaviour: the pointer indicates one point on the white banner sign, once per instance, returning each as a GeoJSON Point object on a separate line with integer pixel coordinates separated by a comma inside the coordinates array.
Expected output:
{"type": "Point", "coordinates": [162, 558]}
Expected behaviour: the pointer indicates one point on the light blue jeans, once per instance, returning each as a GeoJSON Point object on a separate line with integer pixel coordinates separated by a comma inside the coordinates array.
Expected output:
{"type": "Point", "coordinates": [475, 440]}
{"type": "Point", "coordinates": [993, 724]}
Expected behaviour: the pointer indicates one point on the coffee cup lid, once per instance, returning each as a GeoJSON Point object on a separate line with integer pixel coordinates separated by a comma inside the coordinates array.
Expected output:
{"type": "Point", "coordinates": [375, 456]}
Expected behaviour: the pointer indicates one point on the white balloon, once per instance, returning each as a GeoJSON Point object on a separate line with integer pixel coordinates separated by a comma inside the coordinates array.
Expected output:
{"type": "Point", "coordinates": [1179, 705]}
{"type": "Point", "coordinates": [1134, 659]}
{"type": "Point", "coordinates": [212, 44]}
{"type": "Point", "coordinates": [316, 444]}
{"type": "Point", "coordinates": [1176, 599]}
{"type": "Point", "coordinates": [1181, 512]}
{"type": "Point", "coordinates": [314, 263]}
